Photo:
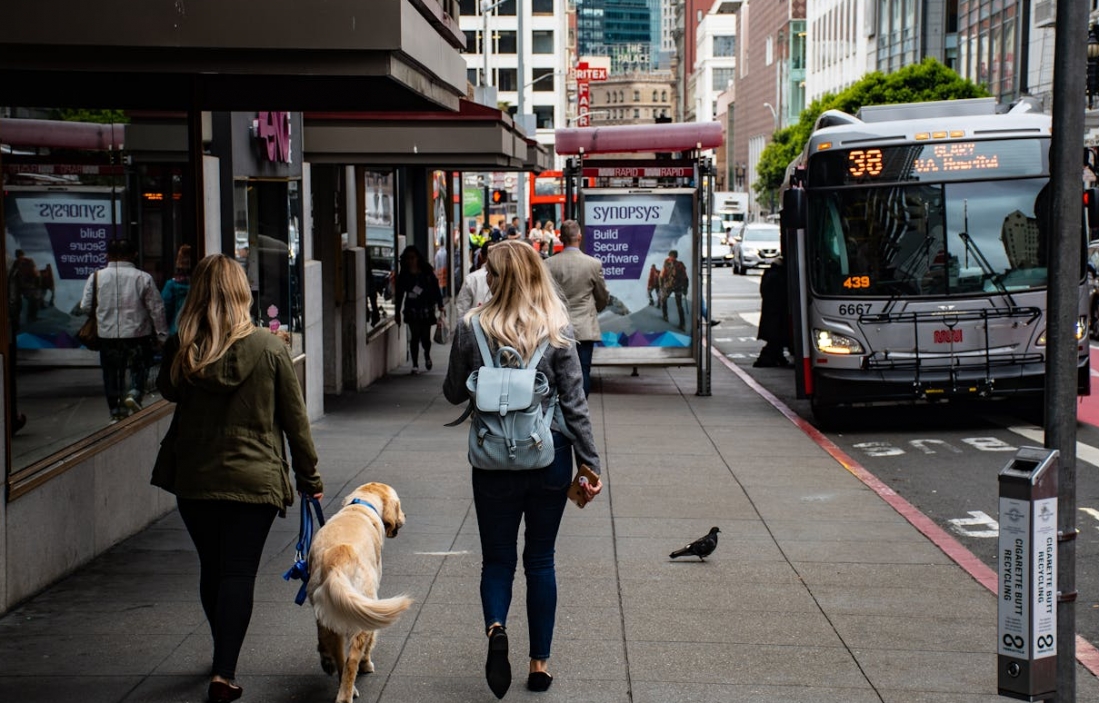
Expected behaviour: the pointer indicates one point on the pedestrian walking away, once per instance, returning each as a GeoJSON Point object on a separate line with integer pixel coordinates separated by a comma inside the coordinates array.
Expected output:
{"type": "Point", "coordinates": [579, 277]}
{"type": "Point", "coordinates": [131, 325]}
{"type": "Point", "coordinates": [524, 311]}
{"type": "Point", "coordinates": [417, 289]}
{"type": "Point", "coordinates": [175, 290]}
{"type": "Point", "coordinates": [238, 404]}
{"type": "Point", "coordinates": [774, 316]}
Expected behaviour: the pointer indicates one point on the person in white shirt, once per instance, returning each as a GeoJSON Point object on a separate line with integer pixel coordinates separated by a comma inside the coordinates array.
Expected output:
{"type": "Point", "coordinates": [129, 314]}
{"type": "Point", "coordinates": [474, 292]}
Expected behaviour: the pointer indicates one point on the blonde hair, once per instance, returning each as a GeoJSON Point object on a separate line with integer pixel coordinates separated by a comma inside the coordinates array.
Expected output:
{"type": "Point", "coordinates": [215, 315]}
{"type": "Point", "coordinates": [525, 307]}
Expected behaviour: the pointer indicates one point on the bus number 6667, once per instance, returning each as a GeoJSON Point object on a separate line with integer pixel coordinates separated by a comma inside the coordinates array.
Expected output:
{"type": "Point", "coordinates": [855, 309]}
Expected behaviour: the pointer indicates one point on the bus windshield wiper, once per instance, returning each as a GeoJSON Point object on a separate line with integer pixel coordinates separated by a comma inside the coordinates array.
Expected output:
{"type": "Point", "coordinates": [986, 268]}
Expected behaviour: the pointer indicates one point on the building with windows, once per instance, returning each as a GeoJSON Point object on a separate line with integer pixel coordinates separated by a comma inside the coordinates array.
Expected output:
{"type": "Point", "coordinates": [632, 98]}
{"type": "Point", "coordinates": [770, 82]}
{"type": "Point", "coordinates": [908, 31]}
{"type": "Point", "coordinates": [622, 30]}
{"type": "Point", "coordinates": [840, 45]}
{"type": "Point", "coordinates": [715, 59]}
{"type": "Point", "coordinates": [532, 66]}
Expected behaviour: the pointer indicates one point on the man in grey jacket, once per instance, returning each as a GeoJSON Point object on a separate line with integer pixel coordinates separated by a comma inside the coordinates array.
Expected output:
{"type": "Point", "coordinates": [580, 280]}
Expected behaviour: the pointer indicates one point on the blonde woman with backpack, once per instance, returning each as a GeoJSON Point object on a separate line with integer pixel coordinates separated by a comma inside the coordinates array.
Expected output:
{"type": "Point", "coordinates": [525, 310]}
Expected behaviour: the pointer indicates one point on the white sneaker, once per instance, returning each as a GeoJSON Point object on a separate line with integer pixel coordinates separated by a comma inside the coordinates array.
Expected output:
{"type": "Point", "coordinates": [131, 404]}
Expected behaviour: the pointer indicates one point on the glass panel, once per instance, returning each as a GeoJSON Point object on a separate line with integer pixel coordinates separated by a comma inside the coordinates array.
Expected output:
{"type": "Point", "coordinates": [506, 42]}
{"type": "Point", "coordinates": [62, 207]}
{"type": "Point", "coordinates": [542, 85]}
{"type": "Point", "coordinates": [542, 7]}
{"type": "Point", "coordinates": [959, 238]}
{"type": "Point", "coordinates": [507, 79]}
{"type": "Point", "coordinates": [542, 42]}
{"type": "Point", "coordinates": [725, 46]}
{"type": "Point", "coordinates": [381, 239]}
{"type": "Point", "coordinates": [544, 115]}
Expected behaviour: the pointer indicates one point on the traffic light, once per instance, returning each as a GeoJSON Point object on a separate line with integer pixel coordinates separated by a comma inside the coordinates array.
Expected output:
{"type": "Point", "coordinates": [499, 196]}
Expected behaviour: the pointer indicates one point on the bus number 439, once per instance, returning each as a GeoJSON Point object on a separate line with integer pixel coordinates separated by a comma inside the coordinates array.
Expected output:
{"type": "Point", "coordinates": [947, 336]}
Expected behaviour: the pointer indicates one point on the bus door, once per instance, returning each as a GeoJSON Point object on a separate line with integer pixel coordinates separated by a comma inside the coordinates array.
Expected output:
{"type": "Point", "coordinates": [793, 252]}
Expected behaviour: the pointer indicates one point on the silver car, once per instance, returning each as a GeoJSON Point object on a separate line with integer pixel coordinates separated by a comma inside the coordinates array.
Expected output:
{"type": "Point", "coordinates": [757, 244]}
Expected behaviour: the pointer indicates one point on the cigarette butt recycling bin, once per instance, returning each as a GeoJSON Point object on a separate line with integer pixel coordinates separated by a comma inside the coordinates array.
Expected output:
{"type": "Point", "coordinates": [1027, 606]}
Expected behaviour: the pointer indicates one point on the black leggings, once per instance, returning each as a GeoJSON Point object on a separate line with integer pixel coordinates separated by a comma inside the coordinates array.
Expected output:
{"type": "Point", "coordinates": [419, 334]}
{"type": "Point", "coordinates": [229, 538]}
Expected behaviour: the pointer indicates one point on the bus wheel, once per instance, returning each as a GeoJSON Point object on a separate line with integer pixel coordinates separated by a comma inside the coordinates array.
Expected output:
{"type": "Point", "coordinates": [829, 417]}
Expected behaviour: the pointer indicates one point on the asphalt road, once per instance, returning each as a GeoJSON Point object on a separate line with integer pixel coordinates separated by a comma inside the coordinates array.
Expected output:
{"type": "Point", "coordinates": [943, 459]}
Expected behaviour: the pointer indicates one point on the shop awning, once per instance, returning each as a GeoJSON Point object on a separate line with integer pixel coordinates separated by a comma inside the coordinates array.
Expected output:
{"type": "Point", "coordinates": [477, 137]}
{"type": "Point", "coordinates": [216, 55]}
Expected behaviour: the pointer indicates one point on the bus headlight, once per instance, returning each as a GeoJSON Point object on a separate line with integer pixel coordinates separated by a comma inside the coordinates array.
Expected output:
{"type": "Point", "coordinates": [834, 343]}
{"type": "Point", "coordinates": [1081, 331]}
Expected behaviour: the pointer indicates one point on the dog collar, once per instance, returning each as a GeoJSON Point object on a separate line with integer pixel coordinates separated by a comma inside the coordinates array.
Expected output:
{"type": "Point", "coordinates": [356, 501]}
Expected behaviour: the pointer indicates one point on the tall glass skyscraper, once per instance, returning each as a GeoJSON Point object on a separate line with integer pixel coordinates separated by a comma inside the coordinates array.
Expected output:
{"type": "Point", "coordinates": [620, 29]}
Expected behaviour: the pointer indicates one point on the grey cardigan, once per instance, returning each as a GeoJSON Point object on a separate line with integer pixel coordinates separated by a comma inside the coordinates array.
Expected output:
{"type": "Point", "coordinates": [562, 370]}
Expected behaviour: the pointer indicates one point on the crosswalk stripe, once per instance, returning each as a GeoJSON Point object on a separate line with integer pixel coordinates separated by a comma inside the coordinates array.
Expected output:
{"type": "Point", "coordinates": [1085, 452]}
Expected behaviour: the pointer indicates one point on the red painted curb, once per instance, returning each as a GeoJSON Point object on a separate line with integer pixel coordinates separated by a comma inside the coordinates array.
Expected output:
{"type": "Point", "coordinates": [1086, 654]}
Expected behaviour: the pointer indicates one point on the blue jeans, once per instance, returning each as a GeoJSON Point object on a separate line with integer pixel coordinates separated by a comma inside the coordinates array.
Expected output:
{"type": "Point", "coordinates": [502, 500]}
{"type": "Point", "coordinates": [585, 350]}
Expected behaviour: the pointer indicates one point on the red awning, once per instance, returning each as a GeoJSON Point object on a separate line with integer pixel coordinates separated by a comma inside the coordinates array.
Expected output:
{"type": "Point", "coordinates": [623, 139]}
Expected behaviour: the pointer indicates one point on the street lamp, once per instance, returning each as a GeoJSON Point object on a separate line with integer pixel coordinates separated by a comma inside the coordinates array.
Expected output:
{"type": "Point", "coordinates": [487, 6]}
{"type": "Point", "coordinates": [1093, 63]}
{"type": "Point", "coordinates": [774, 113]}
{"type": "Point", "coordinates": [586, 113]}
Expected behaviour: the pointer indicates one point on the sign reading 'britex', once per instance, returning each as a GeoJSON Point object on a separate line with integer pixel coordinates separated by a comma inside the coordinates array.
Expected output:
{"type": "Point", "coordinates": [645, 242]}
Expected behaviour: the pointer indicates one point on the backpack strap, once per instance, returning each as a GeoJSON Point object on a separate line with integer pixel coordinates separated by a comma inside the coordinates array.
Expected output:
{"type": "Point", "coordinates": [482, 341]}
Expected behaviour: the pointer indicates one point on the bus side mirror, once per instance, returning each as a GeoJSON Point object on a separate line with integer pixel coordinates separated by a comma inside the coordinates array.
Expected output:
{"type": "Point", "coordinates": [793, 209]}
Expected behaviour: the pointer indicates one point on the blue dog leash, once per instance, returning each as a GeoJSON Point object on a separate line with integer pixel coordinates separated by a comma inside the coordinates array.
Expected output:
{"type": "Point", "coordinates": [300, 569]}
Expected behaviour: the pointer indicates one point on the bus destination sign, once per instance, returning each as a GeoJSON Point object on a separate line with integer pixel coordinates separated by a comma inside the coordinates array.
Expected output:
{"type": "Point", "coordinates": [940, 161]}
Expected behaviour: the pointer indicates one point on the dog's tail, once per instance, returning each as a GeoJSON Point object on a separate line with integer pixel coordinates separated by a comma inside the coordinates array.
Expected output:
{"type": "Point", "coordinates": [341, 608]}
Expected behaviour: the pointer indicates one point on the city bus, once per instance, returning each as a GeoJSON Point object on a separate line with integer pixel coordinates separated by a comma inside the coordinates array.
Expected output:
{"type": "Point", "coordinates": [547, 197]}
{"type": "Point", "coordinates": [916, 239]}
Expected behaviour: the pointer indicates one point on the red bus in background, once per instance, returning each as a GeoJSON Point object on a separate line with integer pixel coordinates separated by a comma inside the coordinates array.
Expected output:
{"type": "Point", "coordinates": [547, 198]}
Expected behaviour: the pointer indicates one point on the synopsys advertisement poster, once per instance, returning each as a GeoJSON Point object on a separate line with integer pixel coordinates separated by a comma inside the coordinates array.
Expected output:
{"type": "Point", "coordinates": [63, 238]}
{"type": "Point", "coordinates": [646, 243]}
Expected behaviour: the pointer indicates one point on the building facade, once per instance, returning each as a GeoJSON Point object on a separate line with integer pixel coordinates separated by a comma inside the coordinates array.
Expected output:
{"type": "Point", "coordinates": [633, 98]}
{"type": "Point", "coordinates": [715, 59]}
{"type": "Point", "coordinates": [840, 45]}
{"type": "Point", "coordinates": [908, 31]}
{"type": "Point", "coordinates": [622, 30]}
{"type": "Point", "coordinates": [527, 71]}
{"type": "Point", "coordinates": [770, 83]}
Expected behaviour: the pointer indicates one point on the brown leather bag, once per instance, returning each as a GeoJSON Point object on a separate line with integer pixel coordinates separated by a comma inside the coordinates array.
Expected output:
{"type": "Point", "coordinates": [89, 331]}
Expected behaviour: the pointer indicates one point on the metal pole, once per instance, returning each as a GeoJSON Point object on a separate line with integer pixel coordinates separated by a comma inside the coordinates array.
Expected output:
{"type": "Point", "coordinates": [1066, 201]}
{"type": "Point", "coordinates": [520, 103]}
{"type": "Point", "coordinates": [486, 7]}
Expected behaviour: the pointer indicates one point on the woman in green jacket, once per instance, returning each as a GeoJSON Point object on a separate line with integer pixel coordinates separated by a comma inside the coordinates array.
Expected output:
{"type": "Point", "coordinates": [237, 399]}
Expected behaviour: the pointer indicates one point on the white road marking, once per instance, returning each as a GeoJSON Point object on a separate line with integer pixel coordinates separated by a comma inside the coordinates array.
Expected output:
{"type": "Point", "coordinates": [922, 445]}
{"type": "Point", "coordinates": [442, 554]}
{"type": "Point", "coordinates": [1093, 513]}
{"type": "Point", "coordinates": [976, 519]}
{"type": "Point", "coordinates": [989, 444]}
{"type": "Point", "coordinates": [1083, 451]}
{"type": "Point", "coordinates": [752, 318]}
{"type": "Point", "coordinates": [879, 449]}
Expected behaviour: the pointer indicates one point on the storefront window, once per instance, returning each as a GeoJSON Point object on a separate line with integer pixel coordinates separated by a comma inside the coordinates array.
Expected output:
{"type": "Point", "coordinates": [381, 237]}
{"type": "Point", "coordinates": [61, 207]}
{"type": "Point", "coordinates": [267, 224]}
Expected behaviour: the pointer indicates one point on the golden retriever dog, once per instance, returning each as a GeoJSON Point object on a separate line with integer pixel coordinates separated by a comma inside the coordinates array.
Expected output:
{"type": "Point", "coordinates": [345, 567]}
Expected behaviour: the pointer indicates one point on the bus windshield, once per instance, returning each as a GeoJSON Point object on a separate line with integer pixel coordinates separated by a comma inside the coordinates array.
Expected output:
{"type": "Point", "coordinates": [939, 239]}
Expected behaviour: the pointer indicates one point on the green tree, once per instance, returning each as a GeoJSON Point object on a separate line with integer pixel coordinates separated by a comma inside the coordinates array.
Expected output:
{"type": "Point", "coordinates": [920, 82]}
{"type": "Point", "coordinates": [96, 116]}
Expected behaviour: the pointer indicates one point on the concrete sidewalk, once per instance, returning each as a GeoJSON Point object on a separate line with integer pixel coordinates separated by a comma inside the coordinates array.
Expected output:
{"type": "Point", "coordinates": [819, 591]}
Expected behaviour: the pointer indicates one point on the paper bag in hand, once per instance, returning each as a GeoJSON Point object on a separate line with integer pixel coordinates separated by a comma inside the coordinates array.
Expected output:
{"type": "Point", "coordinates": [576, 493]}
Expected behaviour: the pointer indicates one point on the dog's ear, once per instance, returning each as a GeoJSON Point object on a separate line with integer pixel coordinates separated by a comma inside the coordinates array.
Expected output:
{"type": "Point", "coordinates": [391, 514]}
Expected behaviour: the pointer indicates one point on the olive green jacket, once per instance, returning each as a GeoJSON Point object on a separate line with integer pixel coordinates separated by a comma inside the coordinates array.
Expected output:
{"type": "Point", "coordinates": [226, 437]}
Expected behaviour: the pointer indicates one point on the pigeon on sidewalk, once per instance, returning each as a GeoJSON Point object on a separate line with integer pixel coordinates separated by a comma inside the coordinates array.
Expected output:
{"type": "Point", "coordinates": [701, 547]}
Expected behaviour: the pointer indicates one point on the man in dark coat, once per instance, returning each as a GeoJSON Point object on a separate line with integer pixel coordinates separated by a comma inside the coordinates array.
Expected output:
{"type": "Point", "coordinates": [774, 318]}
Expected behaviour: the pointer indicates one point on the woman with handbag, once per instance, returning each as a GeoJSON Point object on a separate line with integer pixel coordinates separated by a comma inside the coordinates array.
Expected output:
{"type": "Point", "coordinates": [417, 289]}
{"type": "Point", "coordinates": [525, 310]}
{"type": "Point", "coordinates": [238, 403]}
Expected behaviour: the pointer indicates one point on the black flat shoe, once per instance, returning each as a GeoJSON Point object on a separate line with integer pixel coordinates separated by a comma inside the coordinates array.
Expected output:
{"type": "Point", "coordinates": [539, 681]}
{"type": "Point", "coordinates": [220, 692]}
{"type": "Point", "coordinates": [497, 667]}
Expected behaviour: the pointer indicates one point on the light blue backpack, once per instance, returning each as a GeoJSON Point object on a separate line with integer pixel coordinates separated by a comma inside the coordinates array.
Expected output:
{"type": "Point", "coordinates": [509, 429]}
